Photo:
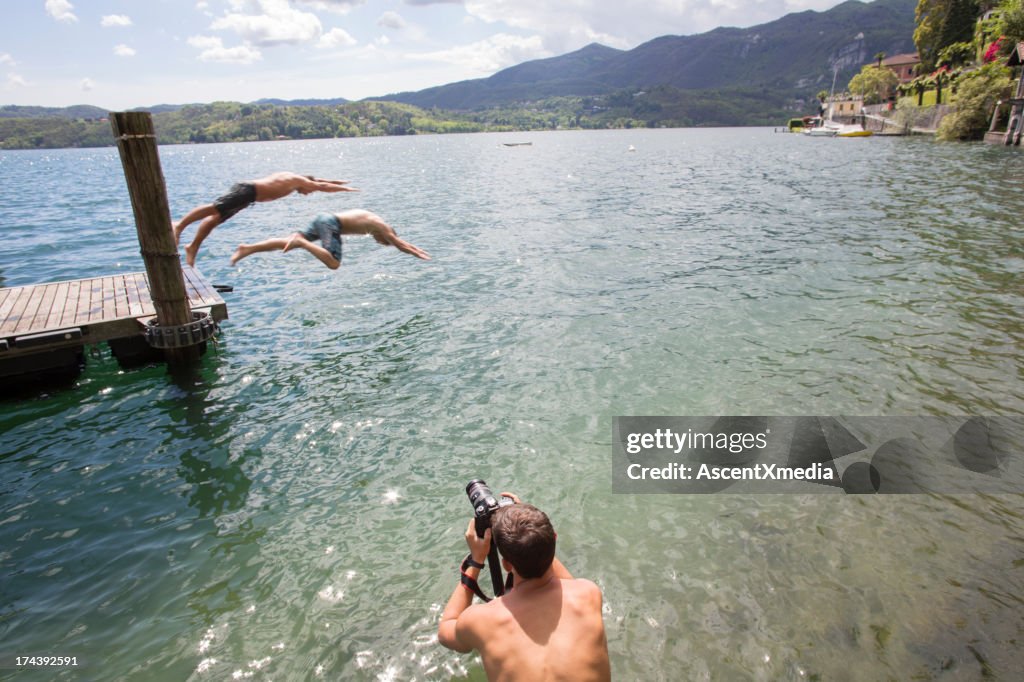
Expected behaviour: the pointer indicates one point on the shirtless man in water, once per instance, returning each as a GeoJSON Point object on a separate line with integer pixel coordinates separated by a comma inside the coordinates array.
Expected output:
{"type": "Point", "coordinates": [548, 627]}
{"type": "Point", "coordinates": [244, 194]}
{"type": "Point", "coordinates": [328, 228]}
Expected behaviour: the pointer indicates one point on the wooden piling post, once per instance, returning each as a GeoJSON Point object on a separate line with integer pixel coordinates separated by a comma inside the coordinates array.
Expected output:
{"type": "Point", "coordinates": [136, 142]}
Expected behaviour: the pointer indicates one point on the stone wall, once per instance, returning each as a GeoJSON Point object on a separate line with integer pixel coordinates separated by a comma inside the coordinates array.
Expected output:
{"type": "Point", "coordinates": [880, 118]}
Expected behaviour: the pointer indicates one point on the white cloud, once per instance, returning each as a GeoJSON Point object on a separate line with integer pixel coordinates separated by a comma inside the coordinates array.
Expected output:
{"type": "Point", "coordinates": [382, 41]}
{"type": "Point", "coordinates": [115, 20]}
{"type": "Point", "coordinates": [493, 54]}
{"type": "Point", "coordinates": [213, 50]}
{"type": "Point", "coordinates": [61, 10]}
{"type": "Point", "coordinates": [392, 20]}
{"type": "Point", "coordinates": [7, 59]}
{"type": "Point", "coordinates": [205, 42]}
{"type": "Point", "coordinates": [15, 81]}
{"type": "Point", "coordinates": [396, 22]}
{"type": "Point", "coordinates": [336, 37]}
{"type": "Point", "coordinates": [567, 26]}
{"type": "Point", "coordinates": [87, 84]}
{"type": "Point", "coordinates": [123, 50]}
{"type": "Point", "coordinates": [336, 6]}
{"type": "Point", "coordinates": [277, 23]}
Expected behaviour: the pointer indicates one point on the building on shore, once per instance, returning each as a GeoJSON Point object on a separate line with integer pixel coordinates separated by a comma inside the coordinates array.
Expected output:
{"type": "Point", "coordinates": [846, 108]}
{"type": "Point", "coordinates": [903, 65]}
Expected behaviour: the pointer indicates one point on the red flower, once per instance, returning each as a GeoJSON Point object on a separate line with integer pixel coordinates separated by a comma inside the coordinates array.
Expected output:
{"type": "Point", "coordinates": [993, 50]}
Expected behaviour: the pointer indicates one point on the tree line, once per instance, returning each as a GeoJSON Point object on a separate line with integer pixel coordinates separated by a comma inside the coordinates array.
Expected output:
{"type": "Point", "coordinates": [661, 106]}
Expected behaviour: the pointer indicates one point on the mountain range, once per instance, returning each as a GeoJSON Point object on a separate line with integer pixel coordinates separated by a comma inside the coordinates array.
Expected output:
{"type": "Point", "coordinates": [794, 56]}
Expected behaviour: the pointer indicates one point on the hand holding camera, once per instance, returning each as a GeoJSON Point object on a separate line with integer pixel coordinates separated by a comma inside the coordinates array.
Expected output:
{"type": "Point", "coordinates": [478, 534]}
{"type": "Point", "coordinates": [479, 547]}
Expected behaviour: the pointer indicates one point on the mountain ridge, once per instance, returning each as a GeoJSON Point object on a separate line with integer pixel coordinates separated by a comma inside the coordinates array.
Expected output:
{"type": "Point", "coordinates": [794, 54]}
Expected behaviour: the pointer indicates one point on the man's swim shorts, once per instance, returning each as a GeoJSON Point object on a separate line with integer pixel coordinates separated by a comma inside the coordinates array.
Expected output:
{"type": "Point", "coordinates": [240, 196]}
{"type": "Point", "coordinates": [326, 228]}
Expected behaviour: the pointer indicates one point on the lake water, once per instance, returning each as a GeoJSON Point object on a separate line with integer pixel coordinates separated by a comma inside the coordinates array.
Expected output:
{"type": "Point", "coordinates": [297, 511]}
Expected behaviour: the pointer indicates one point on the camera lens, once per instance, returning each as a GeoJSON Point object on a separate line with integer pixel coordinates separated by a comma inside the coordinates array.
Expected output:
{"type": "Point", "coordinates": [481, 497]}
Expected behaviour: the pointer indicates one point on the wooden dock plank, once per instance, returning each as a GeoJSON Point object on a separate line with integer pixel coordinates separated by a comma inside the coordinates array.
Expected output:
{"type": "Point", "coordinates": [56, 306]}
{"type": "Point", "coordinates": [109, 298]}
{"type": "Point", "coordinates": [147, 302]}
{"type": "Point", "coordinates": [28, 314]}
{"type": "Point", "coordinates": [132, 289]}
{"type": "Point", "coordinates": [9, 303]}
{"type": "Point", "coordinates": [197, 284]}
{"type": "Point", "coordinates": [84, 303]}
{"type": "Point", "coordinates": [95, 311]}
{"type": "Point", "coordinates": [121, 282]}
{"type": "Point", "coordinates": [70, 309]}
{"type": "Point", "coordinates": [45, 306]}
{"type": "Point", "coordinates": [120, 296]}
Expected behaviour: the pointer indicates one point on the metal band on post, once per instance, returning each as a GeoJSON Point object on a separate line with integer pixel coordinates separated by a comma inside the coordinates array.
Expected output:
{"type": "Point", "coordinates": [202, 328]}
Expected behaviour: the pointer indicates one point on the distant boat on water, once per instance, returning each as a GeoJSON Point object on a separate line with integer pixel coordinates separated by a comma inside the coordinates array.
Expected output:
{"type": "Point", "coordinates": [819, 128]}
{"type": "Point", "coordinates": [816, 127]}
{"type": "Point", "coordinates": [819, 131]}
{"type": "Point", "coordinates": [518, 144]}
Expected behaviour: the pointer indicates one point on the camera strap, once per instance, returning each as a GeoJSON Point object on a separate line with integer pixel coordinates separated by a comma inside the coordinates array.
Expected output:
{"type": "Point", "coordinates": [472, 585]}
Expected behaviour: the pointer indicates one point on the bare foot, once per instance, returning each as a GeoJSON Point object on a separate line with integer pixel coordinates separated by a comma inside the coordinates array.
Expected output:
{"type": "Point", "coordinates": [190, 255]}
{"type": "Point", "coordinates": [241, 252]}
{"type": "Point", "coordinates": [291, 242]}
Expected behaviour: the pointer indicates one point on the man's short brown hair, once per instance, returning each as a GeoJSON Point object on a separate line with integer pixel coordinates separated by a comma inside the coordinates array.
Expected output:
{"type": "Point", "coordinates": [525, 538]}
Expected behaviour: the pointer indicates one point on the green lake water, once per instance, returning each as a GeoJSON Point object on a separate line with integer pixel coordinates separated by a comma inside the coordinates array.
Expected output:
{"type": "Point", "coordinates": [296, 511]}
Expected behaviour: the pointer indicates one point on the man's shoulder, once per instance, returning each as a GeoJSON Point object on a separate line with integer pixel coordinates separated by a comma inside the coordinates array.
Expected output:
{"type": "Point", "coordinates": [583, 585]}
{"type": "Point", "coordinates": [584, 590]}
{"type": "Point", "coordinates": [480, 618]}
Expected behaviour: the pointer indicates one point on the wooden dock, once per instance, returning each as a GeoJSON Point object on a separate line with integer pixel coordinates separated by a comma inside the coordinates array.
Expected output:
{"type": "Point", "coordinates": [43, 318]}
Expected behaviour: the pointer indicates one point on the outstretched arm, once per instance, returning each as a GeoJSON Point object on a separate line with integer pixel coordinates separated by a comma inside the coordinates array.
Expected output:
{"type": "Point", "coordinates": [321, 185]}
{"type": "Point", "coordinates": [389, 238]}
{"type": "Point", "coordinates": [364, 222]}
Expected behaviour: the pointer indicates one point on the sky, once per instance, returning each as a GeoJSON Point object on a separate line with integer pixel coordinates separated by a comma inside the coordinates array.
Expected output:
{"type": "Point", "coordinates": [122, 54]}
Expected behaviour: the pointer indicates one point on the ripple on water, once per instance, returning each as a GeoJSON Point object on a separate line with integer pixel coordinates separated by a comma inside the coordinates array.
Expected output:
{"type": "Point", "coordinates": [296, 512]}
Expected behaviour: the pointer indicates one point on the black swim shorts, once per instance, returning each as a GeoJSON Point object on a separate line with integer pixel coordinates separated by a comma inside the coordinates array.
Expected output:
{"type": "Point", "coordinates": [240, 196]}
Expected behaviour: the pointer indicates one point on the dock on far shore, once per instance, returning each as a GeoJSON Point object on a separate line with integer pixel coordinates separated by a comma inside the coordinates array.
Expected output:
{"type": "Point", "coordinates": [46, 326]}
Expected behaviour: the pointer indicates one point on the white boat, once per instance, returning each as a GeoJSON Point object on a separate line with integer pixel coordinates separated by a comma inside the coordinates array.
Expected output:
{"type": "Point", "coordinates": [829, 128]}
{"type": "Point", "coordinates": [833, 129]}
{"type": "Point", "coordinates": [820, 131]}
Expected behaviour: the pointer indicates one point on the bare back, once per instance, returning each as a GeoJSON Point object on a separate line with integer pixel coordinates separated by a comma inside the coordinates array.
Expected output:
{"type": "Point", "coordinates": [278, 185]}
{"type": "Point", "coordinates": [553, 632]}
